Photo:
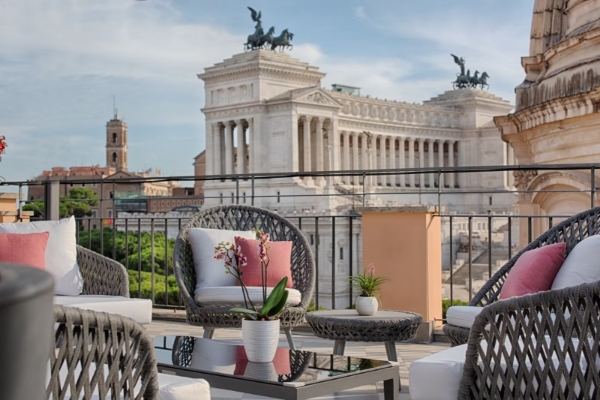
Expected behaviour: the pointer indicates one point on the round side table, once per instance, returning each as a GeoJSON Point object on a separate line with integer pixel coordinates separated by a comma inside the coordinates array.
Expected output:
{"type": "Point", "coordinates": [385, 326]}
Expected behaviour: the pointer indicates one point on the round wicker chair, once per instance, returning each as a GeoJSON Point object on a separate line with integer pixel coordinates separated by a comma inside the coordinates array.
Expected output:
{"type": "Point", "coordinates": [237, 217]}
{"type": "Point", "coordinates": [570, 231]}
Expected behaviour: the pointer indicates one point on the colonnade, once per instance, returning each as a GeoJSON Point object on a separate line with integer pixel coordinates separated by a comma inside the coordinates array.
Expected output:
{"type": "Point", "coordinates": [314, 144]}
{"type": "Point", "coordinates": [365, 151]}
{"type": "Point", "coordinates": [229, 155]}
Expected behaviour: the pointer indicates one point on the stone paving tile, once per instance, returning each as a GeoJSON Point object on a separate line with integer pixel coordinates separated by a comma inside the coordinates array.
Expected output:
{"type": "Point", "coordinates": [407, 353]}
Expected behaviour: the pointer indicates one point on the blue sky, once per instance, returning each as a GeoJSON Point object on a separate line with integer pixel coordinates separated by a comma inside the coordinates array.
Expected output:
{"type": "Point", "coordinates": [61, 61]}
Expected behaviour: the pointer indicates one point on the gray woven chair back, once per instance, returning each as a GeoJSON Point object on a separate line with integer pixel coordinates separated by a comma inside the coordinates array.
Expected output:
{"type": "Point", "coordinates": [244, 218]}
{"type": "Point", "coordinates": [103, 353]}
{"type": "Point", "coordinates": [570, 231]}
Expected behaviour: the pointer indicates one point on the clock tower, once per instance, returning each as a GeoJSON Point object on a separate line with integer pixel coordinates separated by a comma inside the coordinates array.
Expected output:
{"type": "Point", "coordinates": [116, 144]}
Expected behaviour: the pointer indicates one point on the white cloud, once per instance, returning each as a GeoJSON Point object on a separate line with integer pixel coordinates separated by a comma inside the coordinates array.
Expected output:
{"type": "Point", "coordinates": [359, 12]}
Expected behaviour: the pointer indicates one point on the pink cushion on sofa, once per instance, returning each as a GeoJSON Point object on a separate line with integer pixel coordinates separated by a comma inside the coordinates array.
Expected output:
{"type": "Point", "coordinates": [24, 248]}
{"type": "Point", "coordinates": [280, 256]}
{"type": "Point", "coordinates": [534, 271]}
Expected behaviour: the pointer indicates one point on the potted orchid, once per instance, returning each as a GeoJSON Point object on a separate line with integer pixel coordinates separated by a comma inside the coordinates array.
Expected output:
{"type": "Point", "coordinates": [260, 326]}
{"type": "Point", "coordinates": [368, 286]}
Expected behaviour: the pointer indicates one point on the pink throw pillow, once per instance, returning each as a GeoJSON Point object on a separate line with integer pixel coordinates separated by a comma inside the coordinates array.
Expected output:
{"type": "Point", "coordinates": [534, 271]}
{"type": "Point", "coordinates": [24, 248]}
{"type": "Point", "coordinates": [280, 256]}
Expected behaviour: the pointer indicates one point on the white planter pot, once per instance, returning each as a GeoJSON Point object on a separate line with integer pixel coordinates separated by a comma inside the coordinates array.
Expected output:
{"type": "Point", "coordinates": [264, 371]}
{"type": "Point", "coordinates": [260, 339]}
{"type": "Point", "coordinates": [366, 305]}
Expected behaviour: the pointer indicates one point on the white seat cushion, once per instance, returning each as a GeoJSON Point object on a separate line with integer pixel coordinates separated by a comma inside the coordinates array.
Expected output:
{"type": "Point", "coordinates": [210, 272]}
{"type": "Point", "coordinates": [139, 310]}
{"type": "Point", "coordinates": [445, 370]}
{"type": "Point", "coordinates": [462, 315]}
{"type": "Point", "coordinates": [233, 296]}
{"type": "Point", "coordinates": [61, 251]}
{"type": "Point", "coordinates": [171, 387]}
{"type": "Point", "coordinates": [438, 376]}
{"type": "Point", "coordinates": [582, 265]}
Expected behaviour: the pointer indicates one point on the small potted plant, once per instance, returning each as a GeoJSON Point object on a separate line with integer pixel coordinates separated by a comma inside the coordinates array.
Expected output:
{"type": "Point", "coordinates": [368, 287]}
{"type": "Point", "coordinates": [260, 326]}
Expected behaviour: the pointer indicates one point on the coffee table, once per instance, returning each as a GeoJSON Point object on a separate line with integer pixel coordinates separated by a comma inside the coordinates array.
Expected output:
{"type": "Point", "coordinates": [346, 325]}
{"type": "Point", "coordinates": [293, 374]}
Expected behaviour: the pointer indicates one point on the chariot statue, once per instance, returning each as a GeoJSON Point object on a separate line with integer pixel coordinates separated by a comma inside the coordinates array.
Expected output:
{"type": "Point", "coordinates": [261, 40]}
{"type": "Point", "coordinates": [464, 81]}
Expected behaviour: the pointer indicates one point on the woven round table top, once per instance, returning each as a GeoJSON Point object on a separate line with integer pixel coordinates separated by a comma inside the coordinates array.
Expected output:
{"type": "Point", "coordinates": [384, 326]}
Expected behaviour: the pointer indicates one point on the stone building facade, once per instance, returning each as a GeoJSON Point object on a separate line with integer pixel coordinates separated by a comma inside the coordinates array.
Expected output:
{"type": "Point", "coordinates": [556, 119]}
{"type": "Point", "coordinates": [272, 107]}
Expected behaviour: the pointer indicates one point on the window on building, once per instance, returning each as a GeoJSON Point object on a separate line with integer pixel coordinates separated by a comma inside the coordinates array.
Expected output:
{"type": "Point", "coordinates": [94, 226]}
{"type": "Point", "coordinates": [109, 213]}
{"type": "Point", "coordinates": [341, 253]}
{"type": "Point", "coordinates": [490, 200]}
{"type": "Point", "coordinates": [279, 197]}
{"type": "Point", "coordinates": [244, 197]}
{"type": "Point", "coordinates": [83, 185]}
{"type": "Point", "coordinates": [112, 195]}
{"type": "Point", "coordinates": [114, 138]}
{"type": "Point", "coordinates": [162, 203]}
{"type": "Point", "coordinates": [312, 239]}
{"type": "Point", "coordinates": [178, 202]}
{"type": "Point", "coordinates": [232, 198]}
{"type": "Point", "coordinates": [94, 213]}
{"type": "Point", "coordinates": [221, 198]}
{"type": "Point", "coordinates": [114, 157]}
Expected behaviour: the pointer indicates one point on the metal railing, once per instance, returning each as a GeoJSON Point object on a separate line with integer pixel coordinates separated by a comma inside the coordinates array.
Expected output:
{"type": "Point", "coordinates": [480, 246]}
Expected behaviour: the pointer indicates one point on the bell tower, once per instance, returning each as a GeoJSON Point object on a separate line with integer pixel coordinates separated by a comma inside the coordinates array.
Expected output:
{"type": "Point", "coordinates": [116, 143]}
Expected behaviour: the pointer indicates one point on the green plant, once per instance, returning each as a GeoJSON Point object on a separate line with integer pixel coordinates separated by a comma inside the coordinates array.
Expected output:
{"type": "Point", "coordinates": [446, 305]}
{"type": "Point", "coordinates": [311, 307]}
{"type": "Point", "coordinates": [274, 303]}
{"type": "Point", "coordinates": [367, 284]}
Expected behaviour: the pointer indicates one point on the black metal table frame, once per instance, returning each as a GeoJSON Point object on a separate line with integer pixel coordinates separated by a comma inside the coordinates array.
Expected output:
{"type": "Point", "coordinates": [389, 374]}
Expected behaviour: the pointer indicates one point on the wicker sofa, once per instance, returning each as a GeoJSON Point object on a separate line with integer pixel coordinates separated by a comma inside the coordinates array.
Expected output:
{"type": "Point", "coordinates": [571, 231]}
{"type": "Point", "coordinates": [242, 218]}
{"type": "Point", "coordinates": [99, 355]}
{"type": "Point", "coordinates": [105, 288]}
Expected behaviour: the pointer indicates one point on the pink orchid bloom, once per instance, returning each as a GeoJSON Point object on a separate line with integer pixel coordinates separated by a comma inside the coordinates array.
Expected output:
{"type": "Point", "coordinates": [372, 269]}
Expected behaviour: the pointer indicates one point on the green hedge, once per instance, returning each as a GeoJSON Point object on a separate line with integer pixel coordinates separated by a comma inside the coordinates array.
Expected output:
{"type": "Point", "coordinates": [159, 288]}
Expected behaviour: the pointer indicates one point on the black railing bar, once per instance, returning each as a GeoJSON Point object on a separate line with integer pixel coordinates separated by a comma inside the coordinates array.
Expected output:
{"type": "Point", "coordinates": [166, 263]}
{"type": "Point", "coordinates": [501, 216]}
{"type": "Point", "coordinates": [152, 258]}
{"type": "Point", "coordinates": [451, 265]}
{"type": "Point", "coordinates": [404, 171]}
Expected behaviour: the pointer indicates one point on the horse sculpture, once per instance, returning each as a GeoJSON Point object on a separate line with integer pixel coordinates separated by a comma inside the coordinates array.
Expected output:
{"type": "Point", "coordinates": [462, 81]}
{"type": "Point", "coordinates": [259, 39]}
{"type": "Point", "coordinates": [283, 41]}
{"type": "Point", "coordinates": [483, 80]}
{"type": "Point", "coordinates": [267, 38]}
{"type": "Point", "coordinates": [474, 80]}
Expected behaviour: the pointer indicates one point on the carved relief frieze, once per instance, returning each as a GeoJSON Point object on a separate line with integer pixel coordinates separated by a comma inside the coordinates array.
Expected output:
{"type": "Point", "coordinates": [522, 180]}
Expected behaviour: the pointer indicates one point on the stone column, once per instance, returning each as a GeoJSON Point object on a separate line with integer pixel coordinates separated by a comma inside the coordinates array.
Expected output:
{"type": "Point", "coordinates": [320, 145]}
{"type": "Point", "coordinates": [228, 148]}
{"type": "Point", "coordinates": [364, 154]}
{"type": "Point", "coordinates": [251, 168]}
{"type": "Point", "coordinates": [411, 159]}
{"type": "Point", "coordinates": [241, 146]}
{"type": "Point", "coordinates": [441, 161]}
{"type": "Point", "coordinates": [421, 162]}
{"type": "Point", "coordinates": [392, 164]}
{"type": "Point", "coordinates": [401, 163]}
{"type": "Point", "coordinates": [451, 163]}
{"type": "Point", "coordinates": [431, 155]}
{"type": "Point", "coordinates": [306, 138]}
{"type": "Point", "coordinates": [346, 156]}
{"type": "Point", "coordinates": [209, 154]}
{"type": "Point", "coordinates": [295, 156]}
{"type": "Point", "coordinates": [460, 161]}
{"type": "Point", "coordinates": [374, 178]}
{"type": "Point", "coordinates": [216, 149]}
{"type": "Point", "coordinates": [355, 156]}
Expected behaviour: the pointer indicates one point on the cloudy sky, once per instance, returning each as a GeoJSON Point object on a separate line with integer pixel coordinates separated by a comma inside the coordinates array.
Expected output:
{"type": "Point", "coordinates": [61, 61]}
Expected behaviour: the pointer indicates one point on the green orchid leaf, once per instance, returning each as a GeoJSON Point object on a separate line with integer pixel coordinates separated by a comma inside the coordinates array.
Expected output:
{"type": "Point", "coordinates": [279, 307]}
{"type": "Point", "coordinates": [275, 296]}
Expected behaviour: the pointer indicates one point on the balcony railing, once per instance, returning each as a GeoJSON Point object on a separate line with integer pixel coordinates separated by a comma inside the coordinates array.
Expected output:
{"type": "Point", "coordinates": [479, 234]}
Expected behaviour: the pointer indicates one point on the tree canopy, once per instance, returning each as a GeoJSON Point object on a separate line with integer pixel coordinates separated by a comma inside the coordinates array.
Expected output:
{"type": "Point", "coordinates": [78, 202]}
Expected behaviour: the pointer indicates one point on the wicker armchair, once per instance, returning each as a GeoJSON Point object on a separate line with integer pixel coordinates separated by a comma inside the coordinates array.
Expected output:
{"type": "Point", "coordinates": [237, 217]}
{"type": "Point", "coordinates": [571, 231]}
{"type": "Point", "coordinates": [101, 275]}
{"type": "Point", "coordinates": [100, 352]}
{"type": "Point", "coordinates": [542, 346]}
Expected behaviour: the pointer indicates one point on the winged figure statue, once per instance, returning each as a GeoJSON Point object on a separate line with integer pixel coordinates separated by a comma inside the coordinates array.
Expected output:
{"type": "Point", "coordinates": [256, 17]}
{"type": "Point", "coordinates": [461, 63]}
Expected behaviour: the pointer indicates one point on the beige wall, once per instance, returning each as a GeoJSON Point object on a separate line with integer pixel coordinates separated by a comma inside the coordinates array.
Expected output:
{"type": "Point", "coordinates": [406, 247]}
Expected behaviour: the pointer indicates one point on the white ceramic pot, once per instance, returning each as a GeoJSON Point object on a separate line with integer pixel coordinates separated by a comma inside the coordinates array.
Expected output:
{"type": "Point", "coordinates": [366, 305]}
{"type": "Point", "coordinates": [264, 371]}
{"type": "Point", "coordinates": [260, 339]}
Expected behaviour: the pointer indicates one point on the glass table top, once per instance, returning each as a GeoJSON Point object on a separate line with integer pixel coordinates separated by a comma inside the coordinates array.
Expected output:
{"type": "Point", "coordinates": [213, 356]}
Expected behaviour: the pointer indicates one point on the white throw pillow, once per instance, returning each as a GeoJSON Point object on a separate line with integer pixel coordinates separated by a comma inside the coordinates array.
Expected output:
{"type": "Point", "coordinates": [582, 265]}
{"type": "Point", "coordinates": [61, 251]}
{"type": "Point", "coordinates": [210, 272]}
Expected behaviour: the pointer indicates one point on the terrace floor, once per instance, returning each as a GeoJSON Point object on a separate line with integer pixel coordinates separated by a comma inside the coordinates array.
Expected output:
{"type": "Point", "coordinates": [407, 352]}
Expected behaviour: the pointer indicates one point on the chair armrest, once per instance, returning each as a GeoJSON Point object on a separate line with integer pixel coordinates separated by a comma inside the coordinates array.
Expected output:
{"type": "Point", "coordinates": [101, 352]}
{"type": "Point", "coordinates": [102, 275]}
{"type": "Point", "coordinates": [541, 344]}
